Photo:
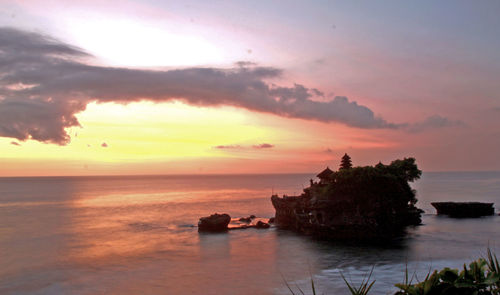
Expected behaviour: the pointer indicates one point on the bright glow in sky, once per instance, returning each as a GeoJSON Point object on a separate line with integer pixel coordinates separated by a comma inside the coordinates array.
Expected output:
{"type": "Point", "coordinates": [134, 44]}
{"type": "Point", "coordinates": [419, 81]}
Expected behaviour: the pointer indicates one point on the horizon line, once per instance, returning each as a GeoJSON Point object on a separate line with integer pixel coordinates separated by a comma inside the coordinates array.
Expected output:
{"type": "Point", "coordinates": [212, 174]}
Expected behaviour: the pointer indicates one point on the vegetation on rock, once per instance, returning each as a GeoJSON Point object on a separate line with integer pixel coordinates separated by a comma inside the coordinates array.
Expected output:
{"type": "Point", "coordinates": [355, 203]}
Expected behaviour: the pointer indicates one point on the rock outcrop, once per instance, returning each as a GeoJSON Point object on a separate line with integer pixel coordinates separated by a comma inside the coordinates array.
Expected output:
{"type": "Point", "coordinates": [214, 223]}
{"type": "Point", "coordinates": [362, 203]}
{"type": "Point", "coordinates": [464, 209]}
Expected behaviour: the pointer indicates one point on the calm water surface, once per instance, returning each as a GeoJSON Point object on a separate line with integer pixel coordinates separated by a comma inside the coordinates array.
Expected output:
{"type": "Point", "coordinates": [134, 235]}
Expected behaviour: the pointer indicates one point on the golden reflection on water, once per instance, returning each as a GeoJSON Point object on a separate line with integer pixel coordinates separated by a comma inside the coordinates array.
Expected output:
{"type": "Point", "coordinates": [111, 227]}
{"type": "Point", "coordinates": [132, 199]}
{"type": "Point", "coordinates": [130, 229]}
{"type": "Point", "coordinates": [125, 236]}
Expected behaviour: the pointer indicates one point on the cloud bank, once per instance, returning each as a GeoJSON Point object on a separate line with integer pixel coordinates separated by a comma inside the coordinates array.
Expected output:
{"type": "Point", "coordinates": [44, 83]}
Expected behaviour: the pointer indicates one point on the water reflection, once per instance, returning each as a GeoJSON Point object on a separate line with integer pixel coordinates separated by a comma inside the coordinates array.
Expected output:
{"type": "Point", "coordinates": [135, 236]}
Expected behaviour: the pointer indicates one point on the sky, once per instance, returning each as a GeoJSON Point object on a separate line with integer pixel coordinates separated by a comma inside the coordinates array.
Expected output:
{"type": "Point", "coordinates": [216, 87]}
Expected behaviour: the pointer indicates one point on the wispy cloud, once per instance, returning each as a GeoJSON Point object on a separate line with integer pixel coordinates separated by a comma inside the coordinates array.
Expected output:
{"type": "Point", "coordinates": [434, 122]}
{"type": "Point", "coordinates": [224, 147]}
{"type": "Point", "coordinates": [243, 147]}
{"type": "Point", "coordinates": [45, 82]}
{"type": "Point", "coordinates": [263, 146]}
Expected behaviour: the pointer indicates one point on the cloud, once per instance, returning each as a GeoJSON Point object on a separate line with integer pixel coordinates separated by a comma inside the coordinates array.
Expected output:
{"type": "Point", "coordinates": [44, 83]}
{"type": "Point", "coordinates": [240, 147]}
{"type": "Point", "coordinates": [223, 147]}
{"type": "Point", "coordinates": [434, 122]}
{"type": "Point", "coordinates": [328, 150]}
{"type": "Point", "coordinates": [14, 143]}
{"type": "Point", "coordinates": [263, 146]}
{"type": "Point", "coordinates": [320, 61]}
{"type": "Point", "coordinates": [105, 145]}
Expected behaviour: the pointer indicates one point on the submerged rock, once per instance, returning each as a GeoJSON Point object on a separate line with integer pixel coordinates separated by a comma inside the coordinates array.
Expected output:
{"type": "Point", "coordinates": [214, 223]}
{"type": "Point", "coordinates": [261, 224]}
{"type": "Point", "coordinates": [464, 209]}
{"type": "Point", "coordinates": [246, 219]}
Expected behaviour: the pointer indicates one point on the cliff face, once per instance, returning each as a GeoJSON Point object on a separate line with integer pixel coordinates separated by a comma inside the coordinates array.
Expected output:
{"type": "Point", "coordinates": [359, 203]}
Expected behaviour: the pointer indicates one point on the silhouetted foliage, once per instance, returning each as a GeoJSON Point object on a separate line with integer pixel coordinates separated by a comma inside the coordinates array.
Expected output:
{"type": "Point", "coordinates": [381, 191]}
{"type": "Point", "coordinates": [355, 203]}
{"type": "Point", "coordinates": [346, 162]}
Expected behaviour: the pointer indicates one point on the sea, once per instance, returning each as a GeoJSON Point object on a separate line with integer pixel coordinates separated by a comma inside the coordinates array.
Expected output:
{"type": "Point", "coordinates": [137, 235]}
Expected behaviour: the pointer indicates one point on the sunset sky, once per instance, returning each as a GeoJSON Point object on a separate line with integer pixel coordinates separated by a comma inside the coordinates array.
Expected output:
{"type": "Point", "coordinates": [181, 87]}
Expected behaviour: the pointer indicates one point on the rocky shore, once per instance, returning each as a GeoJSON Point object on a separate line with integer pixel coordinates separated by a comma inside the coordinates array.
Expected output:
{"type": "Point", "coordinates": [224, 222]}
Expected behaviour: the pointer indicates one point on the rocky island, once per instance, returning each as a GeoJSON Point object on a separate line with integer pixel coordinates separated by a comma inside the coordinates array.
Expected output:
{"type": "Point", "coordinates": [362, 203]}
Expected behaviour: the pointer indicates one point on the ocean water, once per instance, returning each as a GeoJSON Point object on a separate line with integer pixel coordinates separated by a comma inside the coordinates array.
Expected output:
{"type": "Point", "coordinates": [135, 235]}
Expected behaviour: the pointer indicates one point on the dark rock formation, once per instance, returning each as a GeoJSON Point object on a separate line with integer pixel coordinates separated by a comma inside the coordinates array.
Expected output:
{"type": "Point", "coordinates": [271, 220]}
{"type": "Point", "coordinates": [245, 219]}
{"type": "Point", "coordinates": [464, 209]}
{"type": "Point", "coordinates": [362, 203]}
{"type": "Point", "coordinates": [214, 223]}
{"type": "Point", "coordinates": [261, 224]}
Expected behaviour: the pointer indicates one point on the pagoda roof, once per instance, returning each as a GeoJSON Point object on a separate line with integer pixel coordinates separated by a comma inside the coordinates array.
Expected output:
{"type": "Point", "coordinates": [325, 173]}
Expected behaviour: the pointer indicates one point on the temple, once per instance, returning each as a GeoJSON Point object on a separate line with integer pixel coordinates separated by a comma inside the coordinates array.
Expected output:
{"type": "Point", "coordinates": [354, 203]}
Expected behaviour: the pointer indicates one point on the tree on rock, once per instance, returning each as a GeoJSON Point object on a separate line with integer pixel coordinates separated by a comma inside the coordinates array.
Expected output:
{"type": "Point", "coordinates": [346, 162]}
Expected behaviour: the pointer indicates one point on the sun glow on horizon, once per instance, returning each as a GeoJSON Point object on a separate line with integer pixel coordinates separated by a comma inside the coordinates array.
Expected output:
{"type": "Point", "coordinates": [165, 138]}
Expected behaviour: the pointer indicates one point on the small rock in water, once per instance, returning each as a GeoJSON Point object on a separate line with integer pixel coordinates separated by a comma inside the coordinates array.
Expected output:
{"type": "Point", "coordinates": [245, 219]}
{"type": "Point", "coordinates": [464, 209]}
{"type": "Point", "coordinates": [261, 224]}
{"type": "Point", "coordinates": [214, 223]}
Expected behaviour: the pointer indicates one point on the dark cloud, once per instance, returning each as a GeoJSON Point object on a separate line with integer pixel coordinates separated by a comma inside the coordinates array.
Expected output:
{"type": "Point", "coordinates": [39, 119]}
{"type": "Point", "coordinates": [434, 122]}
{"type": "Point", "coordinates": [14, 143]}
{"type": "Point", "coordinates": [222, 147]}
{"type": "Point", "coordinates": [328, 150]}
{"type": "Point", "coordinates": [263, 146]}
{"type": "Point", "coordinates": [44, 83]}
